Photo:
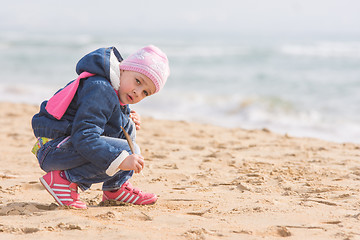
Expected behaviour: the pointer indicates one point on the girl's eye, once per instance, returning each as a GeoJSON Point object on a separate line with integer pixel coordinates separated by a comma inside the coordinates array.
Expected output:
{"type": "Point", "coordinates": [137, 81]}
{"type": "Point", "coordinates": [146, 93]}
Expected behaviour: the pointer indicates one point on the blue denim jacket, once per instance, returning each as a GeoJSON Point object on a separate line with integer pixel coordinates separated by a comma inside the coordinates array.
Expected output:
{"type": "Point", "coordinates": [94, 111]}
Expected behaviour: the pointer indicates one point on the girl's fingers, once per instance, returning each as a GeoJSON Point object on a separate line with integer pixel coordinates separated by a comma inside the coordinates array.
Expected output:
{"type": "Point", "coordinates": [138, 168]}
{"type": "Point", "coordinates": [142, 164]}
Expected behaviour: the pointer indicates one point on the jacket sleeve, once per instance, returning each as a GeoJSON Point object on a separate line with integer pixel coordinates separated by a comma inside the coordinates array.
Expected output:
{"type": "Point", "coordinates": [96, 104]}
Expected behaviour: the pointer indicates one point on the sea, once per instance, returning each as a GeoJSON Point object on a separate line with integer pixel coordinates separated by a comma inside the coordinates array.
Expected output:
{"type": "Point", "coordinates": [301, 86]}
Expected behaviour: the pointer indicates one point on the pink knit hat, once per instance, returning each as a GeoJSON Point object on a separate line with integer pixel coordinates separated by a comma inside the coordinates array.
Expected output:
{"type": "Point", "coordinates": [150, 61]}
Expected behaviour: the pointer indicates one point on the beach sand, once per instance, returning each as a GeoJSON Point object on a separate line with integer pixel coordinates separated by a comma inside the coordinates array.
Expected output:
{"type": "Point", "coordinates": [212, 182]}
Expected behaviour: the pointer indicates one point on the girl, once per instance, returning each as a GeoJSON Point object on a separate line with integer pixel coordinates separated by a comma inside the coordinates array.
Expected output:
{"type": "Point", "coordinates": [80, 141]}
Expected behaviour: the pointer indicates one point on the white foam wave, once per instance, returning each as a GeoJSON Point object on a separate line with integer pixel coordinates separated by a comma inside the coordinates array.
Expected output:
{"type": "Point", "coordinates": [251, 112]}
{"type": "Point", "coordinates": [20, 93]}
{"type": "Point", "coordinates": [208, 51]}
{"type": "Point", "coordinates": [324, 49]}
{"type": "Point", "coordinates": [43, 40]}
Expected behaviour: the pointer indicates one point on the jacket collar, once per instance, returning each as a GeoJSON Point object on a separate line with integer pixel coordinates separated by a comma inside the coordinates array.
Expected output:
{"type": "Point", "coordinates": [114, 71]}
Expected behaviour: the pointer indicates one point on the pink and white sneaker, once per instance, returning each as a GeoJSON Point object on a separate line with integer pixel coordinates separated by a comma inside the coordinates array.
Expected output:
{"type": "Point", "coordinates": [127, 193]}
{"type": "Point", "coordinates": [64, 192]}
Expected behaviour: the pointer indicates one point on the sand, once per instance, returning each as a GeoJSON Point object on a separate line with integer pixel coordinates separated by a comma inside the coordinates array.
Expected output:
{"type": "Point", "coordinates": [213, 183]}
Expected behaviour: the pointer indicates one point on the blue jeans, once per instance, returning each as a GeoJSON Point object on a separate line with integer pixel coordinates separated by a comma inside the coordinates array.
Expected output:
{"type": "Point", "coordinates": [60, 154]}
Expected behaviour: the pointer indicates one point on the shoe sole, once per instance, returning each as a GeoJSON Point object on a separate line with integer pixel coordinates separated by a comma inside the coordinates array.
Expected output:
{"type": "Point", "coordinates": [48, 188]}
{"type": "Point", "coordinates": [139, 204]}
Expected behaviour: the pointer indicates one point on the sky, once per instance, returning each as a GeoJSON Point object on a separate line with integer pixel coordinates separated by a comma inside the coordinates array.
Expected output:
{"type": "Point", "coordinates": [186, 16]}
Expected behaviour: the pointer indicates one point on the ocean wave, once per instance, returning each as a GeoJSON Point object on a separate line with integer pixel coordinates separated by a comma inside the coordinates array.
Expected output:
{"type": "Point", "coordinates": [324, 49]}
{"type": "Point", "coordinates": [275, 113]}
{"type": "Point", "coordinates": [25, 93]}
{"type": "Point", "coordinates": [42, 40]}
{"type": "Point", "coordinates": [208, 51]}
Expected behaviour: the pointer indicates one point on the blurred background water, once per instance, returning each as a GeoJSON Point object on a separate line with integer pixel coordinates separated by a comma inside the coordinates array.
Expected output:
{"type": "Point", "coordinates": [288, 79]}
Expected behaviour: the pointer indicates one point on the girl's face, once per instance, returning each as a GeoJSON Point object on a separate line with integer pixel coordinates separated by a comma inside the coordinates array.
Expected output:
{"type": "Point", "coordinates": [134, 87]}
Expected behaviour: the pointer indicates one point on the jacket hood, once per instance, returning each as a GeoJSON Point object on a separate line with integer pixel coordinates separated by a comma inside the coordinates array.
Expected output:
{"type": "Point", "coordinates": [103, 62]}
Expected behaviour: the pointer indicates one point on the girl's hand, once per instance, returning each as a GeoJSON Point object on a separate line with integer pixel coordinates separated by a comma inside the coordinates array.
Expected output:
{"type": "Point", "coordinates": [136, 119]}
{"type": "Point", "coordinates": [133, 162]}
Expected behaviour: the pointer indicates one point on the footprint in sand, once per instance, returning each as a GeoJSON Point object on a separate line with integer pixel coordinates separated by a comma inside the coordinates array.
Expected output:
{"type": "Point", "coordinates": [21, 208]}
{"type": "Point", "coordinates": [68, 226]}
{"type": "Point", "coordinates": [106, 216]}
{"type": "Point", "coordinates": [33, 185]}
{"type": "Point", "coordinates": [197, 148]}
{"type": "Point", "coordinates": [10, 229]}
{"type": "Point", "coordinates": [278, 231]}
